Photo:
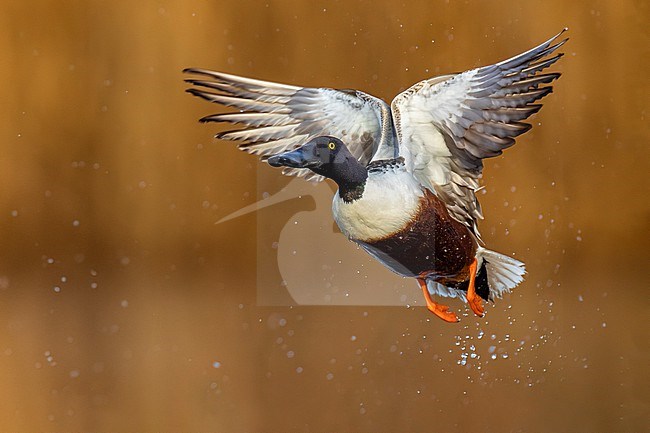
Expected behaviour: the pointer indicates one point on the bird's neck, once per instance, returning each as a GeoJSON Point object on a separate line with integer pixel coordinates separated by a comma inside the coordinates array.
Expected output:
{"type": "Point", "coordinates": [352, 192]}
{"type": "Point", "coordinates": [351, 178]}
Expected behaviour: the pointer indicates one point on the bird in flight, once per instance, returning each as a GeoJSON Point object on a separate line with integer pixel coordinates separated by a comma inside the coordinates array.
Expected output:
{"type": "Point", "coordinates": [408, 172]}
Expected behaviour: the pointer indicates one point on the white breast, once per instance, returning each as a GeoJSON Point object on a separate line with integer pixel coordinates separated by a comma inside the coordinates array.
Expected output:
{"type": "Point", "coordinates": [390, 199]}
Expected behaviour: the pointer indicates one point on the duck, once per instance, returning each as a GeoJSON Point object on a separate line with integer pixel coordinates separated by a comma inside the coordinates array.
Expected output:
{"type": "Point", "coordinates": [407, 173]}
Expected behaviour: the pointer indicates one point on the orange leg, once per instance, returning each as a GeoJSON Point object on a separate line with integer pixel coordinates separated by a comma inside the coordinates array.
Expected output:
{"type": "Point", "coordinates": [441, 311]}
{"type": "Point", "coordinates": [474, 300]}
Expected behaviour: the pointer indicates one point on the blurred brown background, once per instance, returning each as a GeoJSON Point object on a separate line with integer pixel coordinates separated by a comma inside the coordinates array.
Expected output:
{"type": "Point", "coordinates": [124, 308]}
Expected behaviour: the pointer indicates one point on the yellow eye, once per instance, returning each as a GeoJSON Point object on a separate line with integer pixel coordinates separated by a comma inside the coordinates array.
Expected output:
{"type": "Point", "coordinates": [331, 145]}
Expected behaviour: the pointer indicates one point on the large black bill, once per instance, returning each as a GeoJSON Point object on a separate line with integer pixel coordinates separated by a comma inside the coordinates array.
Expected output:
{"type": "Point", "coordinates": [295, 159]}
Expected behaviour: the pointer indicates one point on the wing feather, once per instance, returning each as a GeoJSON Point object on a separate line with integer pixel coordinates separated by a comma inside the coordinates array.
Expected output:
{"type": "Point", "coordinates": [278, 117]}
{"type": "Point", "coordinates": [251, 119]}
{"type": "Point", "coordinates": [447, 125]}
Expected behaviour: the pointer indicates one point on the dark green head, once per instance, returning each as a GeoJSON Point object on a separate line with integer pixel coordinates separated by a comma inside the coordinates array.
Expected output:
{"type": "Point", "coordinates": [329, 157]}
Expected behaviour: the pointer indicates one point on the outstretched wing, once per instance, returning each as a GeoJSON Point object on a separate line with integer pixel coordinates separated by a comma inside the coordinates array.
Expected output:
{"type": "Point", "coordinates": [279, 117]}
{"type": "Point", "coordinates": [447, 125]}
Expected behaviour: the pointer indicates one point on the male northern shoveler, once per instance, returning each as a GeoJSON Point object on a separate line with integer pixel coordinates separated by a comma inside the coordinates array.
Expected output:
{"type": "Point", "coordinates": [407, 173]}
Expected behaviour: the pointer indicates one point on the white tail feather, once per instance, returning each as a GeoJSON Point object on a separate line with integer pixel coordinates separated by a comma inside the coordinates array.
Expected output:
{"type": "Point", "coordinates": [504, 273]}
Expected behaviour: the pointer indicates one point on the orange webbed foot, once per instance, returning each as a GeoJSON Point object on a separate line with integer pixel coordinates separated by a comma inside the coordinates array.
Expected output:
{"type": "Point", "coordinates": [475, 302]}
{"type": "Point", "coordinates": [439, 310]}
{"type": "Point", "coordinates": [443, 312]}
